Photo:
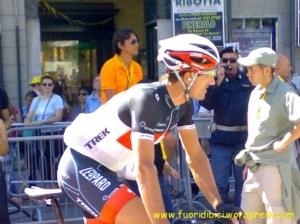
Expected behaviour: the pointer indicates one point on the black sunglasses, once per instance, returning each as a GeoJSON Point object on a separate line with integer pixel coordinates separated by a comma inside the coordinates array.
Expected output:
{"type": "Point", "coordinates": [231, 60]}
{"type": "Point", "coordinates": [134, 41]}
{"type": "Point", "coordinates": [47, 84]}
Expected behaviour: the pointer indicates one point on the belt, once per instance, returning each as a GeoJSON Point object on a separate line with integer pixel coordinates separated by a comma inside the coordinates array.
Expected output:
{"type": "Point", "coordinates": [231, 128]}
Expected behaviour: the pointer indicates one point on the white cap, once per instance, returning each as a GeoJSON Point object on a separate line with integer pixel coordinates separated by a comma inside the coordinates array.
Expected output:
{"type": "Point", "coordinates": [263, 56]}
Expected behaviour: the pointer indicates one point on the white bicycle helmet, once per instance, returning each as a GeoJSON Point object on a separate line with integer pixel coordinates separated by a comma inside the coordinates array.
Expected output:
{"type": "Point", "coordinates": [188, 52]}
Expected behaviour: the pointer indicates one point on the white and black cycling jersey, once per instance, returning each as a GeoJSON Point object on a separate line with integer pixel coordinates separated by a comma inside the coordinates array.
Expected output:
{"type": "Point", "coordinates": [144, 111]}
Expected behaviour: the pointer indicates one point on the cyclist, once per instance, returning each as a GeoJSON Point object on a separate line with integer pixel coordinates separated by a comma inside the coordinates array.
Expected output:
{"type": "Point", "coordinates": [126, 128]}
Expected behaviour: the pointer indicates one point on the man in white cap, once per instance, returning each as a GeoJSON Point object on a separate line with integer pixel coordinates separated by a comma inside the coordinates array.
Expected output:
{"type": "Point", "coordinates": [271, 191]}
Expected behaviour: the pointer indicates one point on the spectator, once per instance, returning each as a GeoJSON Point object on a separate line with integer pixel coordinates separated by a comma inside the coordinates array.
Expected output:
{"type": "Point", "coordinates": [35, 84]}
{"type": "Point", "coordinates": [47, 109]}
{"type": "Point", "coordinates": [296, 82]}
{"type": "Point", "coordinates": [14, 112]}
{"type": "Point", "coordinates": [273, 180]}
{"type": "Point", "coordinates": [81, 106]}
{"type": "Point", "coordinates": [4, 217]}
{"type": "Point", "coordinates": [3, 139]}
{"type": "Point", "coordinates": [4, 107]}
{"type": "Point", "coordinates": [60, 87]}
{"type": "Point", "coordinates": [229, 99]}
{"type": "Point", "coordinates": [283, 68]}
{"type": "Point", "coordinates": [93, 100]}
{"type": "Point", "coordinates": [121, 71]}
{"type": "Point", "coordinates": [28, 100]}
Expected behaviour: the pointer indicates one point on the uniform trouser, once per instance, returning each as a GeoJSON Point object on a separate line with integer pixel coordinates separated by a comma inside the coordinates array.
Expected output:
{"type": "Point", "coordinates": [262, 197]}
{"type": "Point", "coordinates": [222, 163]}
{"type": "Point", "coordinates": [4, 217]}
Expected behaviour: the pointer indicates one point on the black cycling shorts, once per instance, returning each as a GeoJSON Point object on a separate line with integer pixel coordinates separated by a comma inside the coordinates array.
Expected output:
{"type": "Point", "coordinates": [92, 186]}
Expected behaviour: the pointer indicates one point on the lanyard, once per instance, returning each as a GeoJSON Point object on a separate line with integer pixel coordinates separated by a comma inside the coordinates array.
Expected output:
{"type": "Point", "coordinates": [163, 150]}
{"type": "Point", "coordinates": [47, 106]}
{"type": "Point", "coordinates": [129, 73]}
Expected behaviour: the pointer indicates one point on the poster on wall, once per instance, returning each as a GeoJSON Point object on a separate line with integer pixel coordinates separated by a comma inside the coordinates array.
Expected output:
{"type": "Point", "coordinates": [250, 39]}
{"type": "Point", "coordinates": [205, 18]}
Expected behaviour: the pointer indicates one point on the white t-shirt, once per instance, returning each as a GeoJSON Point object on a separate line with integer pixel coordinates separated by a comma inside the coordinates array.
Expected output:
{"type": "Point", "coordinates": [44, 109]}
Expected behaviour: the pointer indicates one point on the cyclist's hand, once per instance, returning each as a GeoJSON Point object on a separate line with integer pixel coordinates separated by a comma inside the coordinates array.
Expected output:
{"type": "Point", "coordinates": [228, 213]}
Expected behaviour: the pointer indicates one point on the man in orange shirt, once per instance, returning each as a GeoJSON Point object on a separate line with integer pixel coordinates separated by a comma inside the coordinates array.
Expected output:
{"type": "Point", "coordinates": [121, 72]}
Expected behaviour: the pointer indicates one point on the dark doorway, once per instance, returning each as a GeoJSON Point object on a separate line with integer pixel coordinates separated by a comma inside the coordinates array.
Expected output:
{"type": "Point", "coordinates": [76, 40]}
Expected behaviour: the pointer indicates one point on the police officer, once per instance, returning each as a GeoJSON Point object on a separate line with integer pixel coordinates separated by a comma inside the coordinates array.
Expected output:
{"type": "Point", "coordinates": [229, 99]}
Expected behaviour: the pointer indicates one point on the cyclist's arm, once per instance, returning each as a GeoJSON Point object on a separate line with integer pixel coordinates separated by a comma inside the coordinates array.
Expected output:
{"type": "Point", "coordinates": [147, 179]}
{"type": "Point", "coordinates": [199, 165]}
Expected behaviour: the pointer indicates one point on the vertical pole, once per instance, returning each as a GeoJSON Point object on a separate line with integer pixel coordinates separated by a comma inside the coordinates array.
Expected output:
{"type": "Point", "coordinates": [1, 65]}
{"type": "Point", "coordinates": [293, 15]}
{"type": "Point", "coordinates": [229, 17]}
{"type": "Point", "coordinates": [18, 66]}
{"type": "Point", "coordinates": [17, 32]}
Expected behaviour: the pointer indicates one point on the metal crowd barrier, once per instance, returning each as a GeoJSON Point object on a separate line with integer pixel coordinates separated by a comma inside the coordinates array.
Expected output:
{"type": "Point", "coordinates": [190, 201]}
{"type": "Point", "coordinates": [32, 161]}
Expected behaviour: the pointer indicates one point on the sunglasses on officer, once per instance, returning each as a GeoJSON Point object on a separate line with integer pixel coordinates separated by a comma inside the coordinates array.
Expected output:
{"type": "Point", "coordinates": [231, 60]}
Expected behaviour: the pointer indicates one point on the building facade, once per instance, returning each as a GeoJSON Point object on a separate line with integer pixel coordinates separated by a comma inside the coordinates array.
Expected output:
{"type": "Point", "coordinates": [72, 38]}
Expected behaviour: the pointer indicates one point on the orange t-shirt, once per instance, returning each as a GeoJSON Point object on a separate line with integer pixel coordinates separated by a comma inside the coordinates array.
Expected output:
{"type": "Point", "coordinates": [115, 76]}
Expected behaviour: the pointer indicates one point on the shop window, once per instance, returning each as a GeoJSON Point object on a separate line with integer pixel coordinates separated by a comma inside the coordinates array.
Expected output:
{"type": "Point", "coordinates": [254, 32]}
{"type": "Point", "coordinates": [74, 62]}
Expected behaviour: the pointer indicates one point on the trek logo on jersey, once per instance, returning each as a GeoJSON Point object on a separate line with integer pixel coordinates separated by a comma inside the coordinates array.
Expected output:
{"type": "Point", "coordinates": [97, 138]}
{"type": "Point", "coordinates": [95, 178]}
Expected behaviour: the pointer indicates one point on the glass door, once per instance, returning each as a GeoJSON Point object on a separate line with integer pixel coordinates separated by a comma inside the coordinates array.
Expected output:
{"type": "Point", "coordinates": [72, 63]}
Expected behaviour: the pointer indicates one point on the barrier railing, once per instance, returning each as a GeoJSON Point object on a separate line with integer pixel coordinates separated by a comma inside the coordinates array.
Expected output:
{"type": "Point", "coordinates": [32, 161]}
{"type": "Point", "coordinates": [191, 201]}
